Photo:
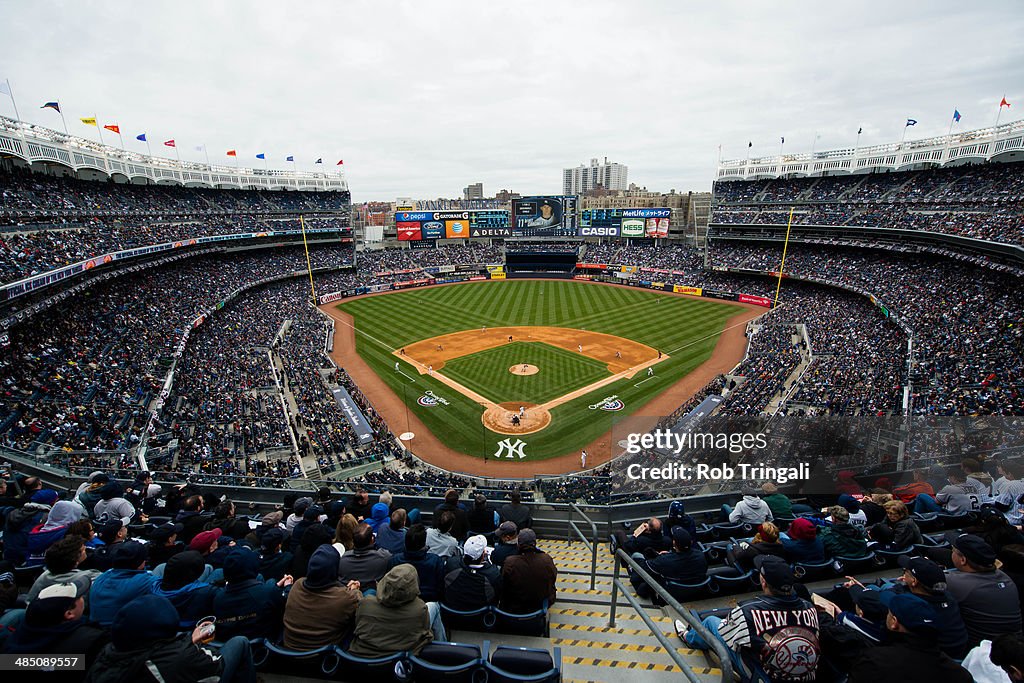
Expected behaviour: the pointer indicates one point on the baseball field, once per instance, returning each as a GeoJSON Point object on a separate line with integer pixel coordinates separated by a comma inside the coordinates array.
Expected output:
{"type": "Point", "coordinates": [527, 370]}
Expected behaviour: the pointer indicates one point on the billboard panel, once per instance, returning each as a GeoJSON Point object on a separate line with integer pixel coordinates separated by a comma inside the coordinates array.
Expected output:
{"type": "Point", "coordinates": [651, 223]}
{"type": "Point", "coordinates": [452, 224]}
{"type": "Point", "coordinates": [544, 216]}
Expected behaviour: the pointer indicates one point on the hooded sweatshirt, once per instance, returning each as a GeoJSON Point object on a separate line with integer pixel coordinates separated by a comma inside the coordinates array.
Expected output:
{"type": "Point", "coordinates": [395, 619]}
{"type": "Point", "coordinates": [751, 510]}
{"type": "Point", "coordinates": [379, 514]}
{"type": "Point", "coordinates": [16, 530]}
{"type": "Point", "coordinates": [52, 530]}
{"type": "Point", "coordinates": [844, 540]}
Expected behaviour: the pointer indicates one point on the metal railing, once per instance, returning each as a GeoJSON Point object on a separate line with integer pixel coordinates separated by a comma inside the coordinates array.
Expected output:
{"type": "Point", "coordinates": [721, 651]}
{"type": "Point", "coordinates": [591, 545]}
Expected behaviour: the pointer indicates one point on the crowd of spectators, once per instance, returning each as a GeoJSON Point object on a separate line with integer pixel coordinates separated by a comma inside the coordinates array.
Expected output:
{"type": "Point", "coordinates": [984, 202]}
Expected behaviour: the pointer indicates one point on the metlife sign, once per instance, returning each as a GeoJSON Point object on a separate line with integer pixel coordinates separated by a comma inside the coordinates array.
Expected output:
{"type": "Point", "coordinates": [652, 222]}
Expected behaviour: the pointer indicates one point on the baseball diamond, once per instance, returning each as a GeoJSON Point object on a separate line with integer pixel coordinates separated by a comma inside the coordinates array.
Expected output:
{"type": "Point", "coordinates": [454, 340]}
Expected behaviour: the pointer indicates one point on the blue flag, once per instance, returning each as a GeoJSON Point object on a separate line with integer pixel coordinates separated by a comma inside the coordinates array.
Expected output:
{"type": "Point", "coordinates": [911, 122]}
{"type": "Point", "coordinates": [956, 116]}
{"type": "Point", "coordinates": [52, 105]}
{"type": "Point", "coordinates": [320, 160]}
{"type": "Point", "coordinates": [290, 158]}
{"type": "Point", "coordinates": [141, 138]}
{"type": "Point", "coordinates": [261, 155]}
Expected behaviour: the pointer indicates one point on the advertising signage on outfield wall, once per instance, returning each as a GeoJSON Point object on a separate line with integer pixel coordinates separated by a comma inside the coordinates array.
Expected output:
{"type": "Point", "coordinates": [432, 225]}
{"type": "Point", "coordinates": [651, 223]}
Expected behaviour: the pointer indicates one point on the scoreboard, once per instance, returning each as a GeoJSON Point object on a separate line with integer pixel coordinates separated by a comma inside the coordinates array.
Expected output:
{"type": "Point", "coordinates": [432, 225]}
{"type": "Point", "coordinates": [625, 222]}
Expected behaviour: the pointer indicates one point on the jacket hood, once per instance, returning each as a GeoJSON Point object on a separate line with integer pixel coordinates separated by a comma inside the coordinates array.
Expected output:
{"type": "Point", "coordinates": [847, 530]}
{"type": "Point", "coordinates": [62, 514]}
{"type": "Point", "coordinates": [754, 502]}
{"type": "Point", "coordinates": [111, 490]}
{"type": "Point", "coordinates": [380, 512]}
{"type": "Point", "coordinates": [29, 638]}
{"type": "Point", "coordinates": [400, 586]}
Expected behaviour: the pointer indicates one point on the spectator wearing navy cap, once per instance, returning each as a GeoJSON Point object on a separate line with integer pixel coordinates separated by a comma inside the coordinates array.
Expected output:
{"type": "Point", "coordinates": [506, 544]}
{"type": "Point", "coordinates": [912, 652]}
{"type": "Point", "coordinates": [683, 564]}
{"type": "Point", "coordinates": [144, 637]}
{"type": "Point", "coordinates": [274, 560]}
{"type": "Point", "coordinates": [528, 579]}
{"type": "Point", "coordinates": [988, 599]}
{"type": "Point", "coordinates": [163, 543]}
{"type": "Point", "coordinates": [846, 635]}
{"type": "Point", "coordinates": [248, 606]}
{"type": "Point", "coordinates": [119, 585]}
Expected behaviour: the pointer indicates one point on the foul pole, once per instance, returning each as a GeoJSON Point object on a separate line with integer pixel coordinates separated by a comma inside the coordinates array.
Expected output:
{"type": "Point", "coordinates": [782, 266]}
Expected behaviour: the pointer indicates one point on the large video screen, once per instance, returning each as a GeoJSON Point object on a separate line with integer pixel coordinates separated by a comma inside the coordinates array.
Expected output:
{"type": "Point", "coordinates": [432, 225]}
{"type": "Point", "coordinates": [625, 222]}
{"type": "Point", "coordinates": [544, 216]}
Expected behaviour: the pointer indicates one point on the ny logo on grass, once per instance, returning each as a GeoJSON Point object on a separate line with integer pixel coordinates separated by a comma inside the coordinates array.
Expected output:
{"type": "Point", "coordinates": [513, 449]}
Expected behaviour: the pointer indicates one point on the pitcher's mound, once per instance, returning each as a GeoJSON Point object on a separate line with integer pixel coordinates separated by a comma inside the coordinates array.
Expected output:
{"type": "Point", "coordinates": [524, 369]}
{"type": "Point", "coordinates": [498, 418]}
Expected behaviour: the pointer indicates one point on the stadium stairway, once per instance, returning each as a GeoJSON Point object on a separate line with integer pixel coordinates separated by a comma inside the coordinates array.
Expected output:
{"type": "Point", "coordinates": [591, 651]}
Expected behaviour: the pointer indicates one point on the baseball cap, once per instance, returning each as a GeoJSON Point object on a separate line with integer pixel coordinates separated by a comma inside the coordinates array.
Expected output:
{"type": "Point", "coordinates": [682, 537]}
{"type": "Point", "coordinates": [98, 476]}
{"type": "Point", "coordinates": [313, 513]}
{"type": "Point", "coordinates": [204, 540]}
{"type": "Point", "coordinates": [272, 537]}
{"type": "Point", "coordinates": [45, 497]}
{"type": "Point", "coordinates": [165, 531]}
{"type": "Point", "coordinates": [74, 588]}
{"type": "Point", "coordinates": [776, 572]}
{"type": "Point", "coordinates": [527, 538]}
{"type": "Point", "coordinates": [870, 603]}
{"type": "Point", "coordinates": [301, 505]}
{"type": "Point", "coordinates": [128, 555]}
{"type": "Point", "coordinates": [108, 530]}
{"type": "Point", "coordinates": [475, 546]}
{"type": "Point", "coordinates": [975, 549]}
{"type": "Point", "coordinates": [927, 572]}
{"type": "Point", "coordinates": [507, 529]}
{"type": "Point", "coordinates": [913, 613]}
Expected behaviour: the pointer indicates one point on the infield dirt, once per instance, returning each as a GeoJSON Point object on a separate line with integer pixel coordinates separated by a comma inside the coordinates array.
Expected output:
{"type": "Point", "coordinates": [727, 353]}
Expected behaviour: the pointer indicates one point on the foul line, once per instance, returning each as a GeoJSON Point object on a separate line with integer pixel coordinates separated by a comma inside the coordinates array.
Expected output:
{"type": "Point", "coordinates": [411, 379]}
{"type": "Point", "coordinates": [645, 380]}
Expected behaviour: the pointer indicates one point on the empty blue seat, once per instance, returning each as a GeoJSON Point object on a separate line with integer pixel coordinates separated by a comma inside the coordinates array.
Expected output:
{"type": "Point", "coordinates": [524, 664]}
{"type": "Point", "coordinates": [345, 666]}
{"type": "Point", "coordinates": [812, 571]}
{"type": "Point", "coordinates": [443, 662]}
{"type": "Point", "coordinates": [852, 565]}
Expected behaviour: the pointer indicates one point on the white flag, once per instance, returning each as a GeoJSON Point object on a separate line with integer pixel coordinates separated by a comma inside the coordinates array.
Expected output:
{"type": "Point", "coordinates": [5, 89]}
{"type": "Point", "coordinates": [200, 148]}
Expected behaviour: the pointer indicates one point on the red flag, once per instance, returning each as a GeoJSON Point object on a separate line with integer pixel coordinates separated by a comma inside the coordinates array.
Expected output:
{"type": "Point", "coordinates": [1004, 103]}
{"type": "Point", "coordinates": [232, 153]}
{"type": "Point", "coordinates": [340, 162]}
{"type": "Point", "coordinates": [170, 143]}
{"type": "Point", "coordinates": [113, 128]}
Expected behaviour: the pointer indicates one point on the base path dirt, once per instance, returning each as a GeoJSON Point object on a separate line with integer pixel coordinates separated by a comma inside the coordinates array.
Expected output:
{"type": "Point", "coordinates": [728, 352]}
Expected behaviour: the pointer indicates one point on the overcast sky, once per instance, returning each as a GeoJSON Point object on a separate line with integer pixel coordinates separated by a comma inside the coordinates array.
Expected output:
{"type": "Point", "coordinates": [422, 97]}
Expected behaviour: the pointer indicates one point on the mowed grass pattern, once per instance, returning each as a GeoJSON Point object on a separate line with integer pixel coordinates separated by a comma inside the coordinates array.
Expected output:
{"type": "Point", "coordinates": [685, 328]}
{"type": "Point", "coordinates": [561, 371]}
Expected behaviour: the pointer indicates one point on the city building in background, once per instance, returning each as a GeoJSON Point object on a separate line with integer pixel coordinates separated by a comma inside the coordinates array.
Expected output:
{"type": "Point", "coordinates": [583, 179]}
{"type": "Point", "coordinates": [474, 191]}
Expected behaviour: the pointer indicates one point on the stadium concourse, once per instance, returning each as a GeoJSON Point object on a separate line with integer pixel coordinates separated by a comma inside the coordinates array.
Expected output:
{"type": "Point", "coordinates": [208, 362]}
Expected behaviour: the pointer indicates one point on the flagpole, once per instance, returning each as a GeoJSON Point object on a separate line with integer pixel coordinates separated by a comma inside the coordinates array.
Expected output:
{"type": "Point", "coordinates": [814, 144]}
{"type": "Point", "coordinates": [856, 145]}
{"type": "Point", "coordinates": [206, 150]}
{"type": "Point", "coordinates": [120, 137]}
{"type": "Point", "coordinates": [782, 265]}
{"type": "Point", "coordinates": [13, 101]}
{"type": "Point", "coordinates": [902, 139]}
{"type": "Point", "coordinates": [149, 150]}
{"type": "Point", "coordinates": [309, 266]}
{"type": "Point", "coordinates": [62, 119]}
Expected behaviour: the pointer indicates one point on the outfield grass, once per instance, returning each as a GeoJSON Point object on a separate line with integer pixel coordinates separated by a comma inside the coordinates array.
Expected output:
{"type": "Point", "coordinates": [686, 329]}
{"type": "Point", "coordinates": [487, 372]}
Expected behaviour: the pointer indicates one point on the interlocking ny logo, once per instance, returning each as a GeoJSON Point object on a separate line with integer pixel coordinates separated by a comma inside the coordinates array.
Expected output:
{"type": "Point", "coordinates": [513, 449]}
